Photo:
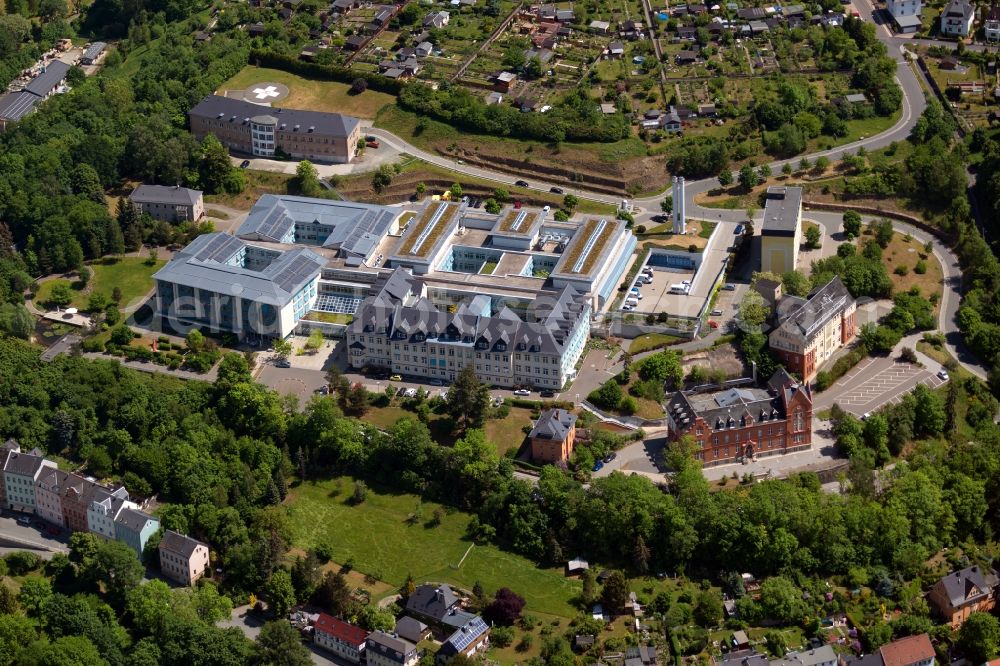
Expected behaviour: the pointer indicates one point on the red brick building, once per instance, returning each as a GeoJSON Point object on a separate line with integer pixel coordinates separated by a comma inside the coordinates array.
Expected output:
{"type": "Point", "coordinates": [744, 422]}
{"type": "Point", "coordinates": [553, 436]}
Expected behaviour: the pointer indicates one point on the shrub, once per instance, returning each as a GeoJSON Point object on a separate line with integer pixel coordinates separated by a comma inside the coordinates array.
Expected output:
{"type": "Point", "coordinates": [901, 270]}
{"type": "Point", "coordinates": [907, 355]}
{"type": "Point", "coordinates": [920, 268]}
{"type": "Point", "coordinates": [21, 562]}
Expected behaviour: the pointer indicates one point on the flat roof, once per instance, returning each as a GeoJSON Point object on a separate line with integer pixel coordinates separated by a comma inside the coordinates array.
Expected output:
{"type": "Point", "coordinates": [521, 222]}
{"type": "Point", "coordinates": [782, 209]}
{"type": "Point", "coordinates": [908, 21]}
{"type": "Point", "coordinates": [427, 229]}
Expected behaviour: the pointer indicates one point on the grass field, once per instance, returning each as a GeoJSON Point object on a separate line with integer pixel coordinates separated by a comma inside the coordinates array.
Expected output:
{"type": "Point", "coordinates": [258, 183]}
{"type": "Point", "coordinates": [652, 341]}
{"type": "Point", "coordinates": [303, 93]}
{"type": "Point", "coordinates": [902, 252]}
{"type": "Point", "coordinates": [132, 275]}
{"type": "Point", "coordinates": [381, 541]}
{"type": "Point", "coordinates": [507, 433]}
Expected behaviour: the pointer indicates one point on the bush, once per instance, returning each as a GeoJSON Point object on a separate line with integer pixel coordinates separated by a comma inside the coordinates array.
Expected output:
{"type": "Point", "coordinates": [907, 355]}
{"type": "Point", "coordinates": [901, 270]}
{"type": "Point", "coordinates": [920, 268]}
{"type": "Point", "coordinates": [21, 562]}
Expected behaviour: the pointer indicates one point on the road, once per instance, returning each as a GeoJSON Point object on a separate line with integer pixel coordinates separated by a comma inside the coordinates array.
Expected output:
{"type": "Point", "coordinates": [251, 626]}
{"type": "Point", "coordinates": [14, 536]}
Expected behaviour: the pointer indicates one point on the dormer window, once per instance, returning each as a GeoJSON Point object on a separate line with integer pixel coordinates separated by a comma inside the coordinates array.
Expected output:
{"type": "Point", "coordinates": [521, 346]}
{"type": "Point", "coordinates": [418, 337]}
{"type": "Point", "coordinates": [501, 346]}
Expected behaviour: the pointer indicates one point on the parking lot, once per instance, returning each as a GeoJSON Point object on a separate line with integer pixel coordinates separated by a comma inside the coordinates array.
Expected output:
{"type": "Point", "coordinates": [876, 382]}
{"type": "Point", "coordinates": [656, 296]}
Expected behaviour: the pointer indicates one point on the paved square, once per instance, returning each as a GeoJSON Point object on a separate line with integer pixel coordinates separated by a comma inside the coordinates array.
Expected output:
{"type": "Point", "coordinates": [880, 387]}
{"type": "Point", "coordinates": [264, 93]}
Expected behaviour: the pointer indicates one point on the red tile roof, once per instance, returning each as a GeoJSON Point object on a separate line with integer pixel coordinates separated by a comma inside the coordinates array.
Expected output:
{"type": "Point", "coordinates": [337, 628]}
{"type": "Point", "coordinates": [906, 651]}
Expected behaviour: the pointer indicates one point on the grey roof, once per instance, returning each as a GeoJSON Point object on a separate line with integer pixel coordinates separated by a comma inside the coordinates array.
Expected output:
{"type": "Point", "coordinates": [400, 309]}
{"type": "Point", "coordinates": [822, 305]}
{"type": "Point", "coordinates": [857, 98]}
{"type": "Point", "coordinates": [410, 628]}
{"type": "Point", "coordinates": [165, 194]}
{"type": "Point", "coordinates": [355, 228]}
{"type": "Point", "coordinates": [741, 658]}
{"type": "Point", "coordinates": [434, 601]}
{"type": "Point", "coordinates": [553, 424]}
{"type": "Point", "coordinates": [908, 20]}
{"type": "Point", "coordinates": [179, 544]}
{"type": "Point", "coordinates": [390, 647]}
{"type": "Point", "coordinates": [464, 636]}
{"type": "Point", "coordinates": [958, 8]}
{"type": "Point", "coordinates": [16, 105]}
{"type": "Point", "coordinates": [644, 653]}
{"type": "Point", "coordinates": [328, 124]}
{"type": "Point", "coordinates": [134, 519]}
{"type": "Point", "coordinates": [213, 262]}
{"type": "Point", "coordinates": [792, 10]}
{"type": "Point", "coordinates": [820, 655]}
{"type": "Point", "coordinates": [871, 659]}
{"type": "Point", "coordinates": [733, 408]}
{"type": "Point", "coordinates": [960, 586]}
{"type": "Point", "coordinates": [94, 50]}
{"type": "Point", "coordinates": [782, 208]}
{"type": "Point", "coordinates": [457, 618]}
{"type": "Point", "coordinates": [43, 84]}
{"type": "Point", "coordinates": [24, 464]}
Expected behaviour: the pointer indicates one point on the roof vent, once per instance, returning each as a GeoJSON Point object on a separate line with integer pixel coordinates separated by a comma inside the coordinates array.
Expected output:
{"type": "Point", "coordinates": [283, 125]}
{"type": "Point", "coordinates": [221, 115]}
{"type": "Point", "coordinates": [296, 128]}
{"type": "Point", "coordinates": [312, 128]}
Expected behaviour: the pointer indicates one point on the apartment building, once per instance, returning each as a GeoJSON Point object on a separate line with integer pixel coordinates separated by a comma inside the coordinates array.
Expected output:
{"type": "Point", "coordinates": [991, 26]}
{"type": "Point", "coordinates": [339, 637]}
{"type": "Point", "coordinates": [389, 650]}
{"type": "Point", "coordinates": [48, 495]}
{"type": "Point", "coordinates": [401, 329]}
{"type": "Point", "coordinates": [957, 18]}
{"type": "Point", "coordinates": [170, 204]}
{"type": "Point", "coordinates": [962, 593]}
{"type": "Point", "coordinates": [781, 233]}
{"type": "Point", "coordinates": [261, 131]}
{"type": "Point", "coordinates": [134, 528]}
{"type": "Point", "coordinates": [905, 14]}
{"type": "Point", "coordinates": [810, 330]}
{"type": "Point", "coordinates": [745, 422]}
{"type": "Point", "coordinates": [552, 436]}
{"type": "Point", "coordinates": [20, 473]}
{"type": "Point", "coordinates": [103, 509]}
{"type": "Point", "coordinates": [182, 559]}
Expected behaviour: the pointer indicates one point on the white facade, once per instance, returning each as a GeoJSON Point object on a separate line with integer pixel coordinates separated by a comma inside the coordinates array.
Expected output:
{"type": "Point", "coordinates": [101, 514]}
{"type": "Point", "coordinates": [900, 8]}
{"type": "Point", "coordinates": [957, 18]}
{"type": "Point", "coordinates": [680, 219]}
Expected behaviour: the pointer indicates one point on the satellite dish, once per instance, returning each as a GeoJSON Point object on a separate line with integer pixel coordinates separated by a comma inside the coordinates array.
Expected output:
{"type": "Point", "coordinates": [71, 311]}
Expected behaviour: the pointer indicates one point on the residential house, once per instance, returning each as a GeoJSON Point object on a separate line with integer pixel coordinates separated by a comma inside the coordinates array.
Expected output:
{"type": "Point", "coordinates": [383, 15]}
{"type": "Point", "coordinates": [256, 30]}
{"type": "Point", "coordinates": [616, 50]}
{"type": "Point", "coordinates": [20, 473]}
{"type": "Point", "coordinates": [671, 122]}
{"type": "Point", "coordinates": [957, 18]}
{"type": "Point", "coordinates": [821, 656]}
{"type": "Point", "coordinates": [739, 423]}
{"type": "Point", "coordinates": [565, 15]}
{"type": "Point", "coordinates": [633, 30]}
{"type": "Point", "coordinates": [641, 655]}
{"type": "Point", "coordinates": [432, 603]}
{"type": "Point", "coordinates": [686, 57]}
{"type": "Point", "coordinates": [961, 593]}
{"type": "Point", "coordinates": [170, 204]}
{"type": "Point", "coordinates": [811, 331]}
{"type": "Point", "coordinates": [343, 639]}
{"type": "Point", "coordinates": [48, 495]}
{"type": "Point", "coordinates": [910, 651]}
{"type": "Point", "coordinates": [468, 640]}
{"type": "Point", "coordinates": [553, 436]}
{"type": "Point", "coordinates": [134, 528]}
{"type": "Point", "coordinates": [74, 493]}
{"type": "Point", "coordinates": [182, 559]}
{"type": "Point", "coordinates": [412, 629]}
{"type": "Point", "coordinates": [687, 33]}
{"type": "Point", "coordinates": [387, 650]}
{"type": "Point", "coordinates": [600, 27]}
{"type": "Point", "coordinates": [105, 505]}
{"type": "Point", "coordinates": [424, 49]}
{"type": "Point", "coordinates": [741, 658]}
{"type": "Point", "coordinates": [437, 19]}
{"type": "Point", "coordinates": [5, 451]}
{"type": "Point", "coordinates": [905, 14]}
{"type": "Point", "coordinates": [992, 24]}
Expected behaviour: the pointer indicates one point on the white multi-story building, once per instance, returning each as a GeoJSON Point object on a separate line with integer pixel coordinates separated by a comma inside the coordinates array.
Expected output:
{"type": "Point", "coordinates": [781, 232]}
{"type": "Point", "coordinates": [105, 505]}
{"type": "Point", "coordinates": [19, 476]}
{"type": "Point", "coordinates": [992, 24]}
{"type": "Point", "coordinates": [341, 638]}
{"type": "Point", "coordinates": [401, 329]}
{"type": "Point", "coordinates": [957, 18]}
{"type": "Point", "coordinates": [389, 650]}
{"type": "Point", "coordinates": [905, 14]}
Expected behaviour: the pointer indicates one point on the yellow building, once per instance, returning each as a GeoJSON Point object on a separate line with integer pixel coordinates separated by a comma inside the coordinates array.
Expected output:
{"type": "Point", "coordinates": [781, 233]}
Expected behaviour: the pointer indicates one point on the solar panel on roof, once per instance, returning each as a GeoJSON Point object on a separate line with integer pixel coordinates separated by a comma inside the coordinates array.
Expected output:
{"type": "Point", "coordinates": [462, 638]}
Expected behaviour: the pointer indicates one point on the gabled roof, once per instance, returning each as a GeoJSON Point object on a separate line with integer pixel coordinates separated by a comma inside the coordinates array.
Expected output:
{"type": "Point", "coordinates": [907, 651]}
{"type": "Point", "coordinates": [342, 631]}
{"type": "Point", "coordinates": [43, 84]}
{"type": "Point", "coordinates": [164, 194]}
{"type": "Point", "coordinates": [390, 647]}
{"type": "Point", "coordinates": [960, 586]}
{"type": "Point", "coordinates": [180, 544]}
{"type": "Point", "coordinates": [134, 519]}
{"type": "Point", "coordinates": [824, 304]}
{"type": "Point", "coordinates": [24, 464]}
{"type": "Point", "coordinates": [464, 636]}
{"type": "Point", "coordinates": [16, 105]}
{"type": "Point", "coordinates": [958, 9]}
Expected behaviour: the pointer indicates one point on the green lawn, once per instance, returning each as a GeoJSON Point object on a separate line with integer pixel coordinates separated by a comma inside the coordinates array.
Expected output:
{"type": "Point", "coordinates": [507, 433]}
{"type": "Point", "coordinates": [303, 93]}
{"type": "Point", "coordinates": [652, 341]}
{"type": "Point", "coordinates": [329, 317]}
{"type": "Point", "coordinates": [377, 536]}
{"type": "Point", "coordinates": [132, 275]}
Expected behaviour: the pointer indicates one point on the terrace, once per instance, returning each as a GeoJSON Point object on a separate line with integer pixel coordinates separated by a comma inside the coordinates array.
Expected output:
{"type": "Point", "coordinates": [424, 233]}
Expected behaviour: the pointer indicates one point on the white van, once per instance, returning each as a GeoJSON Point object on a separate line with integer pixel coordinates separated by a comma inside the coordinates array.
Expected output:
{"type": "Point", "coordinates": [678, 288]}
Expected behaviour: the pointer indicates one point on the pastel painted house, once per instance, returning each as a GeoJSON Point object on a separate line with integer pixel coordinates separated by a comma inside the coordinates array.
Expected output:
{"type": "Point", "coordinates": [134, 528]}
{"type": "Point", "coordinates": [182, 559]}
{"type": "Point", "coordinates": [48, 495]}
{"type": "Point", "coordinates": [19, 476]}
{"type": "Point", "coordinates": [105, 505]}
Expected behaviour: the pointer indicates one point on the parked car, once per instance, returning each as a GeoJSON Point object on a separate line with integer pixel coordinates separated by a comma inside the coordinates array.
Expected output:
{"type": "Point", "coordinates": [729, 286]}
{"type": "Point", "coordinates": [522, 392]}
{"type": "Point", "coordinates": [943, 374]}
{"type": "Point", "coordinates": [598, 466]}
{"type": "Point", "coordinates": [436, 382]}
{"type": "Point", "coordinates": [282, 363]}
{"type": "Point", "coordinates": [244, 164]}
{"type": "Point", "coordinates": [611, 456]}
{"type": "Point", "coordinates": [547, 394]}
{"type": "Point", "coordinates": [395, 378]}
{"type": "Point", "coordinates": [24, 520]}
{"type": "Point", "coordinates": [738, 230]}
{"type": "Point", "coordinates": [716, 312]}
{"type": "Point", "coordinates": [556, 190]}
{"type": "Point", "coordinates": [522, 183]}
{"type": "Point", "coordinates": [323, 390]}
{"type": "Point", "coordinates": [372, 144]}
{"type": "Point", "coordinates": [53, 530]}
{"type": "Point", "coordinates": [410, 393]}
{"type": "Point", "coordinates": [370, 137]}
